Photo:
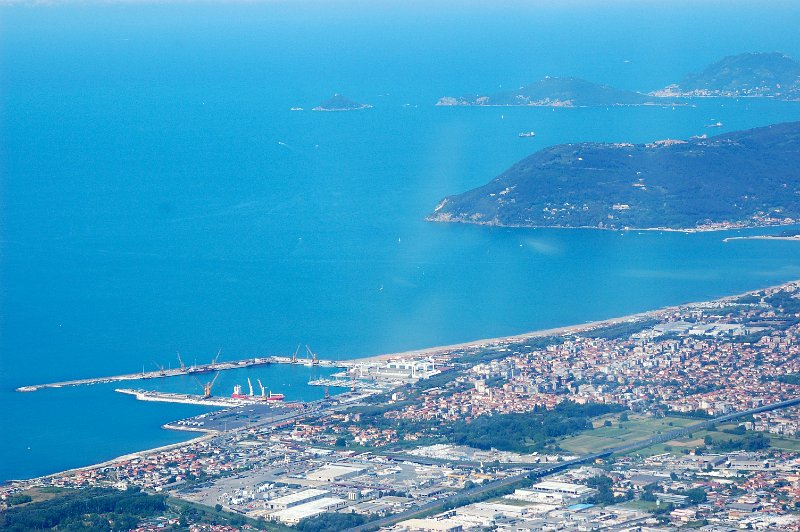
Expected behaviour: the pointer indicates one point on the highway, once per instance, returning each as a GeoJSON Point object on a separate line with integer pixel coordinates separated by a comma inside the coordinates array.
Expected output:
{"type": "Point", "coordinates": [551, 469]}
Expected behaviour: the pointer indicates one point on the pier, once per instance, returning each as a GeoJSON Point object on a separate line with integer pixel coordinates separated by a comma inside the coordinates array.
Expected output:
{"type": "Point", "coordinates": [191, 399]}
{"type": "Point", "coordinates": [353, 384]}
{"type": "Point", "coordinates": [185, 370]}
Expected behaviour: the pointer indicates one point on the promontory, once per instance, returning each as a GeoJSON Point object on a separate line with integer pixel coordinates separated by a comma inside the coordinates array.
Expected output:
{"type": "Point", "coordinates": [740, 179]}
{"type": "Point", "coordinates": [560, 92]}
{"type": "Point", "coordinates": [770, 75]}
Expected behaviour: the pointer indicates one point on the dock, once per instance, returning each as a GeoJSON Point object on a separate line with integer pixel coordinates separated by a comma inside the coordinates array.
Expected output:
{"type": "Point", "coordinates": [191, 399]}
{"type": "Point", "coordinates": [188, 370]}
{"type": "Point", "coordinates": [351, 383]}
{"type": "Point", "coordinates": [183, 398]}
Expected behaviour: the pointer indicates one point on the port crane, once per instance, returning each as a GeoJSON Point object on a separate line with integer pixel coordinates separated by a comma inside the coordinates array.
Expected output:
{"type": "Point", "coordinates": [250, 385]}
{"type": "Point", "coordinates": [314, 360]}
{"type": "Point", "coordinates": [294, 356]}
{"type": "Point", "coordinates": [207, 386]}
{"type": "Point", "coordinates": [161, 369]}
{"type": "Point", "coordinates": [214, 362]}
{"type": "Point", "coordinates": [180, 361]}
{"type": "Point", "coordinates": [263, 392]}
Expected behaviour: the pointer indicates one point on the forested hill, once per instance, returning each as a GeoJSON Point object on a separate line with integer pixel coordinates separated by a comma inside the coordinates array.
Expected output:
{"type": "Point", "coordinates": [738, 179]}
{"type": "Point", "coordinates": [753, 74]}
{"type": "Point", "coordinates": [559, 92]}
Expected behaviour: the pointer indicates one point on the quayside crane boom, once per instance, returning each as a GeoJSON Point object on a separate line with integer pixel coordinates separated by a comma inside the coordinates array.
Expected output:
{"type": "Point", "coordinates": [263, 392]}
{"type": "Point", "coordinates": [207, 386]}
{"type": "Point", "coordinates": [294, 356]}
{"type": "Point", "coordinates": [313, 355]}
{"type": "Point", "coordinates": [180, 360]}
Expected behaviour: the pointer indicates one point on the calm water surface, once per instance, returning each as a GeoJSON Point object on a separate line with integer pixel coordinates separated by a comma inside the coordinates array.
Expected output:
{"type": "Point", "coordinates": [159, 196]}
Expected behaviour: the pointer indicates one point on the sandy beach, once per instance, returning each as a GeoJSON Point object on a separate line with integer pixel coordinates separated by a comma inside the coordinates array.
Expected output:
{"type": "Point", "coordinates": [569, 329]}
{"type": "Point", "coordinates": [486, 342]}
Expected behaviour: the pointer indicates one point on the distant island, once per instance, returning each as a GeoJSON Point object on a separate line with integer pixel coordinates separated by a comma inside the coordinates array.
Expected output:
{"type": "Point", "coordinates": [560, 92]}
{"type": "Point", "coordinates": [740, 179]}
{"type": "Point", "coordinates": [339, 103]}
{"type": "Point", "coordinates": [773, 75]}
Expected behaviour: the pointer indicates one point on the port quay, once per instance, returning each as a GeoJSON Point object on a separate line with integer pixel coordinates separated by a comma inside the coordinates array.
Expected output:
{"type": "Point", "coordinates": [187, 370]}
{"type": "Point", "coordinates": [370, 376]}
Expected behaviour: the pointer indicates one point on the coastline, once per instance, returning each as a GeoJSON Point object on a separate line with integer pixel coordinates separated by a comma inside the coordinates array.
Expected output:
{"type": "Point", "coordinates": [567, 329]}
{"type": "Point", "coordinates": [435, 350]}
{"type": "Point", "coordinates": [336, 110]}
{"type": "Point", "coordinates": [563, 106]}
{"type": "Point", "coordinates": [688, 230]}
{"type": "Point", "coordinates": [763, 237]}
{"type": "Point", "coordinates": [111, 462]}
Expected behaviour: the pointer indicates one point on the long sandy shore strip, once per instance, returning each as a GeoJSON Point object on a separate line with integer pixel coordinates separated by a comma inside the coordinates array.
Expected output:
{"type": "Point", "coordinates": [476, 344]}
{"type": "Point", "coordinates": [558, 331]}
{"type": "Point", "coordinates": [117, 460]}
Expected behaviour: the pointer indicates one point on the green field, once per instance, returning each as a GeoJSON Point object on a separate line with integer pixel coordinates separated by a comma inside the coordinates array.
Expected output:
{"type": "Point", "coordinates": [696, 439]}
{"type": "Point", "coordinates": [637, 504]}
{"type": "Point", "coordinates": [786, 443]}
{"type": "Point", "coordinates": [638, 427]}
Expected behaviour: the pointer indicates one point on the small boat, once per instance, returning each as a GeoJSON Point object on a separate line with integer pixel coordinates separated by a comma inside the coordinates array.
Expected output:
{"type": "Point", "coordinates": [526, 134]}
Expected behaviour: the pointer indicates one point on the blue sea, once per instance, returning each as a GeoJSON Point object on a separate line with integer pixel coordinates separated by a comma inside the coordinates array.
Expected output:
{"type": "Point", "coordinates": [158, 195]}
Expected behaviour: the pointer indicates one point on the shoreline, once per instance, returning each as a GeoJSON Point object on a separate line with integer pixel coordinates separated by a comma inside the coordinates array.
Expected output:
{"type": "Point", "coordinates": [430, 351]}
{"type": "Point", "coordinates": [763, 237]}
{"type": "Point", "coordinates": [648, 104]}
{"type": "Point", "coordinates": [566, 329]}
{"type": "Point", "coordinates": [112, 461]}
{"type": "Point", "coordinates": [690, 230]}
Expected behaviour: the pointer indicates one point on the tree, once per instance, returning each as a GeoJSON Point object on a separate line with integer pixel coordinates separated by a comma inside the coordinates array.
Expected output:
{"type": "Point", "coordinates": [623, 417]}
{"type": "Point", "coordinates": [696, 495]}
{"type": "Point", "coordinates": [330, 522]}
{"type": "Point", "coordinates": [603, 485]}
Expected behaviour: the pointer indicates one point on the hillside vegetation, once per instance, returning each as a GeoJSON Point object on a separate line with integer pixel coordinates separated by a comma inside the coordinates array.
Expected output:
{"type": "Point", "coordinates": [739, 179]}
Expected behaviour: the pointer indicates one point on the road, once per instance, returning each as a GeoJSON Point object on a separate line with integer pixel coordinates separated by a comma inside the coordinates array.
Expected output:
{"type": "Point", "coordinates": [549, 470]}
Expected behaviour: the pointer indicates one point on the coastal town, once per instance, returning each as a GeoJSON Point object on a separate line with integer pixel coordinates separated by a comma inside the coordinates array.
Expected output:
{"type": "Point", "coordinates": [392, 266]}
{"type": "Point", "coordinates": [683, 417]}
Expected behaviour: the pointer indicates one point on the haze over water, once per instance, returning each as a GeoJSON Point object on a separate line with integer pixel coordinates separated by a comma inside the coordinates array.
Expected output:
{"type": "Point", "coordinates": [158, 195]}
